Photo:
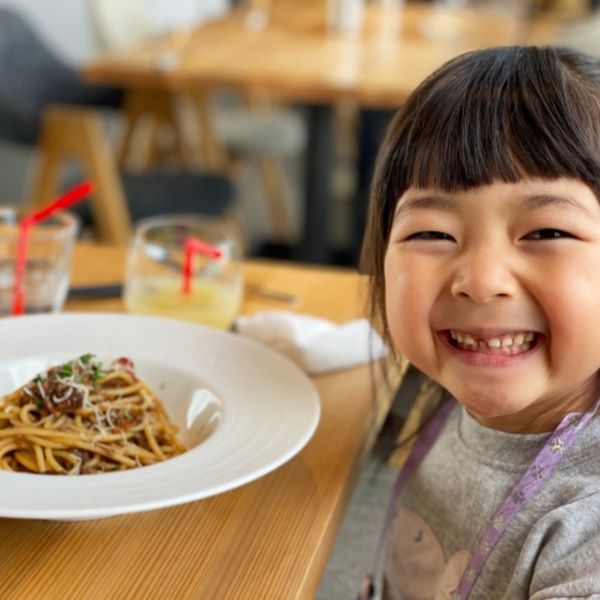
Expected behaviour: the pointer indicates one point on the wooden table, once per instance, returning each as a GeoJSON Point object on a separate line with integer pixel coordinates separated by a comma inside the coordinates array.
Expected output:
{"type": "Point", "coordinates": [298, 59]}
{"type": "Point", "coordinates": [268, 539]}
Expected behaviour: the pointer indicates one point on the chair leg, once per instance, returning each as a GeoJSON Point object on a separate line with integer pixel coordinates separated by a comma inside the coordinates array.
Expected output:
{"type": "Point", "coordinates": [156, 109]}
{"type": "Point", "coordinates": [70, 132]}
{"type": "Point", "coordinates": [271, 173]}
{"type": "Point", "coordinates": [127, 137]}
{"type": "Point", "coordinates": [213, 155]}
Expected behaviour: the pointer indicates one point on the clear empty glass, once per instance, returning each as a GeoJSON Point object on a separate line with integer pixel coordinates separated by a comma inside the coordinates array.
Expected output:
{"type": "Point", "coordinates": [153, 276]}
{"type": "Point", "coordinates": [48, 265]}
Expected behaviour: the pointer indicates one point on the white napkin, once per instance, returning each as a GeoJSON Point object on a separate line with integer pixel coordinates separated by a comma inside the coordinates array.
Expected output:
{"type": "Point", "coordinates": [314, 344]}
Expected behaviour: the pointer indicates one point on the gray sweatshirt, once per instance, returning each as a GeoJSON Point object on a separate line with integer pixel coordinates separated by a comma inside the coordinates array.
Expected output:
{"type": "Point", "coordinates": [550, 550]}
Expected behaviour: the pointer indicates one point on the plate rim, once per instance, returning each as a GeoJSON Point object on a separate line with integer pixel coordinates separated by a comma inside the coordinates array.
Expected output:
{"type": "Point", "coordinates": [84, 513]}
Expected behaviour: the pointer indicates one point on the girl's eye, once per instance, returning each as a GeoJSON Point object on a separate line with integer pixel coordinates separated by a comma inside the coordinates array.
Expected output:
{"type": "Point", "coordinates": [430, 236]}
{"type": "Point", "coordinates": [548, 234]}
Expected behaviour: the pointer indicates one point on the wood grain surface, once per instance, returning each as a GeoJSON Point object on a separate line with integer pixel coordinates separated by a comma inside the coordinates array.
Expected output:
{"type": "Point", "coordinates": [268, 539]}
{"type": "Point", "coordinates": [296, 58]}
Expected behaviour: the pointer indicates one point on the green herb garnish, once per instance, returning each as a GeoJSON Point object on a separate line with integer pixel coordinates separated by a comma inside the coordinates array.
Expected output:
{"type": "Point", "coordinates": [65, 370]}
{"type": "Point", "coordinates": [97, 372]}
{"type": "Point", "coordinates": [86, 358]}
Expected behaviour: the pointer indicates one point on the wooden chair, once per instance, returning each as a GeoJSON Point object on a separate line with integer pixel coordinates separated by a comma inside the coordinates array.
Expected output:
{"type": "Point", "coordinates": [77, 133]}
{"type": "Point", "coordinates": [225, 141]}
{"type": "Point", "coordinates": [148, 112]}
{"type": "Point", "coordinates": [120, 198]}
{"type": "Point", "coordinates": [225, 138]}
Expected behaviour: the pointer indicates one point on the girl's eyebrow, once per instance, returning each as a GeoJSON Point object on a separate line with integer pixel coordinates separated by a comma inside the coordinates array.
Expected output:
{"type": "Point", "coordinates": [530, 202]}
{"type": "Point", "coordinates": [539, 201]}
{"type": "Point", "coordinates": [424, 202]}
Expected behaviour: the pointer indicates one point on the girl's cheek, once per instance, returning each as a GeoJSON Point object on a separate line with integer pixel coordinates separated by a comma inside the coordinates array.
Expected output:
{"type": "Point", "coordinates": [397, 312]}
{"type": "Point", "coordinates": [401, 299]}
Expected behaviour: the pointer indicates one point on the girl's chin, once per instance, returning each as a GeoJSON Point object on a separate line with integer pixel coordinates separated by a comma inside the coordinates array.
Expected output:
{"type": "Point", "coordinates": [510, 418]}
{"type": "Point", "coordinates": [492, 409]}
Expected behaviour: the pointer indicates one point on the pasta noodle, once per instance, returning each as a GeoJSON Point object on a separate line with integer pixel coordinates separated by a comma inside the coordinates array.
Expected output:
{"type": "Point", "coordinates": [84, 417]}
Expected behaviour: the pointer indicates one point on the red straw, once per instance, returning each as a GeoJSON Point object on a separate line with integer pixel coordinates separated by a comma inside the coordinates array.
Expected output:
{"type": "Point", "coordinates": [193, 246]}
{"type": "Point", "coordinates": [71, 197]}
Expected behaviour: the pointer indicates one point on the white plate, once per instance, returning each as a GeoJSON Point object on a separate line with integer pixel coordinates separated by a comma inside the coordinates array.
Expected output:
{"type": "Point", "coordinates": [253, 407]}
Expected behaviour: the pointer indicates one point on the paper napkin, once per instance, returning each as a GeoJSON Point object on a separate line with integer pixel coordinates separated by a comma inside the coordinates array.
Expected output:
{"type": "Point", "coordinates": [314, 344]}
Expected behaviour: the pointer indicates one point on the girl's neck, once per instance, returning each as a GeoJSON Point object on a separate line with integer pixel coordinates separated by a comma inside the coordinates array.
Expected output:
{"type": "Point", "coordinates": [539, 418]}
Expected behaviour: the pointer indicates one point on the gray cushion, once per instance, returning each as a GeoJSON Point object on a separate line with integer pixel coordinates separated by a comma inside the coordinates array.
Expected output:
{"type": "Point", "coordinates": [260, 133]}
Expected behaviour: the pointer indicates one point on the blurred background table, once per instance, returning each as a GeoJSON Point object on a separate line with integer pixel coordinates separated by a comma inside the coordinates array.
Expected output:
{"type": "Point", "coordinates": [268, 539]}
{"type": "Point", "coordinates": [296, 58]}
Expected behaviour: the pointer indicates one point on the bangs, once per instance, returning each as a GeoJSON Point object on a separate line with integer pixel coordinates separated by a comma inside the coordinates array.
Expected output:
{"type": "Point", "coordinates": [501, 115]}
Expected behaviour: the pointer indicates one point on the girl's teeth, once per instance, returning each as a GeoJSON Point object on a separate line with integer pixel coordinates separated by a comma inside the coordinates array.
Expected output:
{"type": "Point", "coordinates": [505, 344]}
{"type": "Point", "coordinates": [494, 343]}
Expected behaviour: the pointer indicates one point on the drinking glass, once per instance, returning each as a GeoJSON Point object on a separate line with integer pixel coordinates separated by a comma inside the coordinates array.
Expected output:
{"type": "Point", "coordinates": [154, 271]}
{"type": "Point", "coordinates": [48, 261]}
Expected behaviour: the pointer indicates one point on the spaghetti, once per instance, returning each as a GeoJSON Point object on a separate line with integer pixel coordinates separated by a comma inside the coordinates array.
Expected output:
{"type": "Point", "coordinates": [84, 417]}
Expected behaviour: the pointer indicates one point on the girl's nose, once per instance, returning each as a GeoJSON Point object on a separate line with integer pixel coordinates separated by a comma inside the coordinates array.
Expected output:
{"type": "Point", "coordinates": [483, 274]}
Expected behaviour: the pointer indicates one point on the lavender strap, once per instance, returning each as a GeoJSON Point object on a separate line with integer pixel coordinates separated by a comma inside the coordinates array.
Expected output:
{"type": "Point", "coordinates": [424, 442]}
{"type": "Point", "coordinates": [420, 449]}
{"type": "Point", "coordinates": [527, 487]}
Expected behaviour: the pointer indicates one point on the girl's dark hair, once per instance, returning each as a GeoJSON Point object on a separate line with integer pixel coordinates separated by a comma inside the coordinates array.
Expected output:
{"type": "Point", "coordinates": [495, 114]}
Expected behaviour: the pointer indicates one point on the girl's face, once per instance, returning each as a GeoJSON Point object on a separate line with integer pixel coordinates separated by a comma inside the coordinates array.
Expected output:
{"type": "Point", "coordinates": [494, 293]}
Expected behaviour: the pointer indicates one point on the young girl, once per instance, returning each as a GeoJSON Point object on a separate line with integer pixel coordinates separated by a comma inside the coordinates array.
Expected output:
{"type": "Point", "coordinates": [484, 247]}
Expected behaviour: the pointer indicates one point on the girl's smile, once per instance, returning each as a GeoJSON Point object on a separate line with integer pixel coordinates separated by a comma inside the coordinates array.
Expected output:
{"type": "Point", "coordinates": [501, 349]}
{"type": "Point", "coordinates": [492, 292]}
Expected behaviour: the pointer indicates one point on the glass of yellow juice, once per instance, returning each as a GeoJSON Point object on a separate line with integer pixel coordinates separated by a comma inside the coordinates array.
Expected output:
{"type": "Point", "coordinates": [155, 264]}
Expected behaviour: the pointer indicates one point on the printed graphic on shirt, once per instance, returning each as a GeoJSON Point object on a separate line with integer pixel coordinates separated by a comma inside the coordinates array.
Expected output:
{"type": "Point", "coordinates": [415, 565]}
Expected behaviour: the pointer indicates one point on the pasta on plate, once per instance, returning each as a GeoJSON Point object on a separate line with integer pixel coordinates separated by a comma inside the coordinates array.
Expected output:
{"type": "Point", "coordinates": [85, 417]}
